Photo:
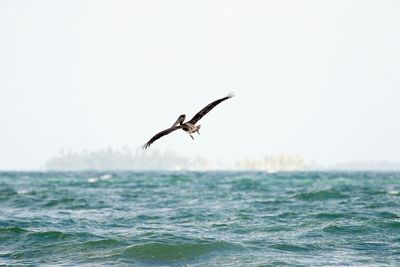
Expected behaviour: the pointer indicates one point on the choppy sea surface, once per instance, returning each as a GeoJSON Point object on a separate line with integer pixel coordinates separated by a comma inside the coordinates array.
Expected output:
{"type": "Point", "coordinates": [200, 219]}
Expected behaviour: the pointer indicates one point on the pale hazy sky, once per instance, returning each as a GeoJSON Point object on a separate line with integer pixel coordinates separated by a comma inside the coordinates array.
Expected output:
{"type": "Point", "coordinates": [320, 79]}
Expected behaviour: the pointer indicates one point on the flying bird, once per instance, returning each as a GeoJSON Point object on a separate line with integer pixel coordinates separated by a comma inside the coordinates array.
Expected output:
{"type": "Point", "coordinates": [190, 126]}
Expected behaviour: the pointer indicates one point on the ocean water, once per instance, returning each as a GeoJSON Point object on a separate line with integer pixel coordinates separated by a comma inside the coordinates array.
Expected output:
{"type": "Point", "coordinates": [200, 219]}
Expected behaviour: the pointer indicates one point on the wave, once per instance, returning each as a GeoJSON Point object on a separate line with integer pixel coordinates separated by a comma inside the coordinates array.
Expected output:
{"type": "Point", "coordinates": [6, 194]}
{"type": "Point", "coordinates": [320, 195]}
{"type": "Point", "coordinates": [346, 229]}
{"type": "Point", "coordinates": [91, 248]}
{"type": "Point", "coordinates": [50, 236]}
{"type": "Point", "coordinates": [43, 236]}
{"type": "Point", "coordinates": [394, 225]}
{"type": "Point", "coordinates": [333, 215]}
{"type": "Point", "coordinates": [388, 215]}
{"type": "Point", "coordinates": [101, 243]}
{"type": "Point", "coordinates": [12, 230]}
{"type": "Point", "coordinates": [295, 248]}
{"type": "Point", "coordinates": [158, 251]}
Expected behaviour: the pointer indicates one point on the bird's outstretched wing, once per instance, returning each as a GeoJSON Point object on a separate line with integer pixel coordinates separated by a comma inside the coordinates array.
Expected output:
{"type": "Point", "coordinates": [159, 135]}
{"type": "Point", "coordinates": [207, 108]}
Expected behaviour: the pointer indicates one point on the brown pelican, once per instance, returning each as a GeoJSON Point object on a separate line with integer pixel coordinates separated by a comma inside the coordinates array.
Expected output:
{"type": "Point", "coordinates": [190, 126]}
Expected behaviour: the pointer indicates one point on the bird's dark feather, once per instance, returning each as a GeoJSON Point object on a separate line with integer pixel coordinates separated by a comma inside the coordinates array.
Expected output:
{"type": "Point", "coordinates": [207, 108]}
{"type": "Point", "coordinates": [161, 134]}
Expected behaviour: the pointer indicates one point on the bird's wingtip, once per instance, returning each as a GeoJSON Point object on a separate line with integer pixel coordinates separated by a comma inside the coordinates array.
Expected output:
{"type": "Point", "coordinates": [230, 95]}
{"type": "Point", "coordinates": [145, 146]}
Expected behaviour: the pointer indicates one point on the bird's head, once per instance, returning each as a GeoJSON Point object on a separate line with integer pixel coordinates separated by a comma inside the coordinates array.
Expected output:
{"type": "Point", "coordinates": [181, 118]}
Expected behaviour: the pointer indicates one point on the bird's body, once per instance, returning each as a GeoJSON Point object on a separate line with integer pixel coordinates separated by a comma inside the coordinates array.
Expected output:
{"type": "Point", "coordinates": [190, 126]}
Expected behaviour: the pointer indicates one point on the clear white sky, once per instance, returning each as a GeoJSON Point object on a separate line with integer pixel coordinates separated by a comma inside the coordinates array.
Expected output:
{"type": "Point", "coordinates": [320, 79]}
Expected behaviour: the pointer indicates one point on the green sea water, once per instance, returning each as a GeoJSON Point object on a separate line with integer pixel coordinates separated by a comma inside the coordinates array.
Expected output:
{"type": "Point", "coordinates": [200, 219]}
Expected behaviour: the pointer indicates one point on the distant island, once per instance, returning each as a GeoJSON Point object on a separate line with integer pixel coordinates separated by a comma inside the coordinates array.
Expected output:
{"type": "Point", "coordinates": [126, 159]}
